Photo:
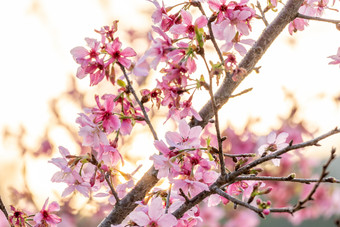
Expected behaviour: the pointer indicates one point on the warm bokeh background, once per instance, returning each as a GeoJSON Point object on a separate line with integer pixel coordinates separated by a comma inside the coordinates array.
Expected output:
{"type": "Point", "coordinates": [35, 43]}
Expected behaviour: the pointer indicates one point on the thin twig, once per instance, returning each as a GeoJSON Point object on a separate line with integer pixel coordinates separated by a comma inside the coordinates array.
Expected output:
{"type": "Point", "coordinates": [287, 179]}
{"type": "Point", "coordinates": [276, 154]}
{"type": "Point", "coordinates": [184, 195]}
{"type": "Point", "coordinates": [239, 155]}
{"type": "Point", "coordinates": [263, 17]}
{"type": "Point", "coordinates": [3, 208]}
{"type": "Point", "coordinates": [217, 126]}
{"type": "Point", "coordinates": [241, 93]}
{"type": "Point", "coordinates": [300, 204]}
{"type": "Point", "coordinates": [238, 202]}
{"type": "Point", "coordinates": [147, 120]}
{"type": "Point", "coordinates": [114, 193]}
{"type": "Point", "coordinates": [299, 15]}
{"type": "Point", "coordinates": [323, 174]}
{"type": "Point", "coordinates": [231, 177]}
{"type": "Point", "coordinates": [168, 200]}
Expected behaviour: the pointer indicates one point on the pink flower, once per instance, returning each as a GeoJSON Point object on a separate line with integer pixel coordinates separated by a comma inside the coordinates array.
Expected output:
{"type": "Point", "coordinates": [78, 184]}
{"type": "Point", "coordinates": [92, 135]}
{"type": "Point", "coordinates": [273, 144]}
{"type": "Point", "coordinates": [186, 138]}
{"type": "Point", "coordinates": [119, 55]}
{"type": "Point", "coordinates": [83, 56]}
{"type": "Point", "coordinates": [236, 43]}
{"type": "Point", "coordinates": [193, 187]}
{"type": "Point", "coordinates": [297, 25]}
{"type": "Point", "coordinates": [17, 218]}
{"type": "Point", "coordinates": [105, 115]}
{"type": "Point", "coordinates": [187, 28]}
{"type": "Point", "coordinates": [45, 216]}
{"type": "Point", "coordinates": [154, 216]}
{"type": "Point", "coordinates": [335, 58]}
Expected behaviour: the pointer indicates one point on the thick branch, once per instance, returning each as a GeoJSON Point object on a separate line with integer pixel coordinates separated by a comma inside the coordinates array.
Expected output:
{"type": "Point", "coordinates": [287, 14]}
{"type": "Point", "coordinates": [128, 203]}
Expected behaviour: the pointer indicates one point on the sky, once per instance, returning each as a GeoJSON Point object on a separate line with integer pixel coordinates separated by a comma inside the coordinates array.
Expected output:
{"type": "Point", "coordinates": [37, 36]}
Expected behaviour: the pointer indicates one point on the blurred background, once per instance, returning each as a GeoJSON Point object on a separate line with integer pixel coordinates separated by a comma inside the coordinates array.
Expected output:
{"type": "Point", "coordinates": [40, 96]}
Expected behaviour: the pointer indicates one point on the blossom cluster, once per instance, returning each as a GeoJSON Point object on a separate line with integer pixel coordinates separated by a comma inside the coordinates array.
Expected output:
{"type": "Point", "coordinates": [189, 161]}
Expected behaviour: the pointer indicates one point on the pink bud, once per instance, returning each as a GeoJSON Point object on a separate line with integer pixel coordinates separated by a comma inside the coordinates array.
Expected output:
{"type": "Point", "coordinates": [258, 201]}
{"type": "Point", "coordinates": [266, 211]}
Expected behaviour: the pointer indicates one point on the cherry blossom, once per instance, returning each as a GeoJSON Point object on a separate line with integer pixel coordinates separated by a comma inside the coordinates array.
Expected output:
{"type": "Point", "coordinates": [154, 216]}
{"type": "Point", "coordinates": [92, 135]}
{"type": "Point", "coordinates": [46, 216]}
{"type": "Point", "coordinates": [186, 27]}
{"type": "Point", "coordinates": [118, 55]}
{"type": "Point", "coordinates": [186, 138]}
{"type": "Point", "coordinates": [17, 218]}
{"type": "Point", "coordinates": [335, 58]}
{"type": "Point", "coordinates": [105, 115]}
{"type": "Point", "coordinates": [274, 143]}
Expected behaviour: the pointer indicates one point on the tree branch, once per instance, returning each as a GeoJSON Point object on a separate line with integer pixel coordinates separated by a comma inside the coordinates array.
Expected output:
{"type": "Point", "coordinates": [317, 18]}
{"type": "Point", "coordinates": [286, 179]}
{"type": "Point", "coordinates": [300, 204]}
{"type": "Point", "coordinates": [147, 120]}
{"type": "Point", "coordinates": [231, 177]}
{"type": "Point", "coordinates": [222, 95]}
{"type": "Point", "coordinates": [238, 202]}
{"type": "Point", "coordinates": [148, 181]}
{"type": "Point", "coordinates": [3, 208]}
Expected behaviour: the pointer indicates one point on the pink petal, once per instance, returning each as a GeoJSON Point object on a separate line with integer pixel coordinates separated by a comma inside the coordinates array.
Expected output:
{"type": "Point", "coordinates": [214, 5]}
{"type": "Point", "coordinates": [156, 209]}
{"type": "Point", "coordinates": [54, 206]}
{"type": "Point", "coordinates": [281, 138]}
{"type": "Point", "coordinates": [161, 147]}
{"type": "Point", "coordinates": [128, 52]}
{"type": "Point", "coordinates": [67, 191]}
{"type": "Point", "coordinates": [241, 49]}
{"type": "Point", "coordinates": [271, 137]}
{"type": "Point", "coordinates": [173, 138]}
{"type": "Point", "coordinates": [140, 218]}
{"type": "Point", "coordinates": [184, 128]}
{"type": "Point", "coordinates": [201, 21]}
{"type": "Point", "coordinates": [195, 132]}
{"type": "Point", "coordinates": [167, 220]}
{"type": "Point", "coordinates": [178, 29]}
{"type": "Point", "coordinates": [244, 14]}
{"type": "Point", "coordinates": [38, 217]}
{"type": "Point", "coordinates": [79, 52]}
{"type": "Point", "coordinates": [125, 62]}
{"type": "Point", "coordinates": [276, 161]}
{"type": "Point", "coordinates": [187, 18]}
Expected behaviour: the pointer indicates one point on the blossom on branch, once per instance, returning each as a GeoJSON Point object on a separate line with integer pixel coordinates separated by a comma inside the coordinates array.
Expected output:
{"type": "Point", "coordinates": [46, 217]}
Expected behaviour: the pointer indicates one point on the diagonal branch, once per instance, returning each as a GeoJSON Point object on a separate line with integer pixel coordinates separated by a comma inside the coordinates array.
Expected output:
{"type": "Point", "coordinates": [238, 202]}
{"type": "Point", "coordinates": [222, 95]}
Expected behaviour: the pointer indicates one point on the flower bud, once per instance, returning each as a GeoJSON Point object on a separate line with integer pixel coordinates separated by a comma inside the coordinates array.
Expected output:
{"type": "Point", "coordinates": [266, 211]}
{"type": "Point", "coordinates": [258, 201]}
